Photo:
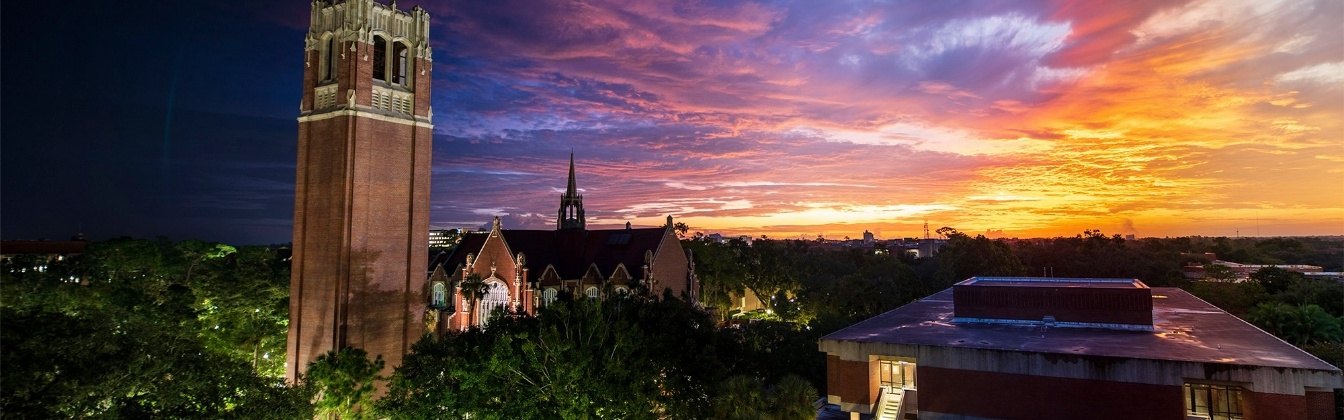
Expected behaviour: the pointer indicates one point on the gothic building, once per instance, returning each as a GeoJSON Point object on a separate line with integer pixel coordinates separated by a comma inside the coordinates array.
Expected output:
{"type": "Point", "coordinates": [361, 200]}
{"type": "Point", "coordinates": [524, 270]}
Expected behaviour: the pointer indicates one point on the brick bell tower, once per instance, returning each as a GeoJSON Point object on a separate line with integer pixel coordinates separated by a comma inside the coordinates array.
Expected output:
{"type": "Point", "coordinates": [361, 199]}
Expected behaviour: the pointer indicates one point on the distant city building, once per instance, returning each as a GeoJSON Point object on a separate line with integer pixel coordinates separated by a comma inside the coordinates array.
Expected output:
{"type": "Point", "coordinates": [1058, 348]}
{"type": "Point", "coordinates": [44, 250]}
{"type": "Point", "coordinates": [38, 255]}
{"type": "Point", "coordinates": [444, 238]}
{"type": "Point", "coordinates": [524, 270]}
{"type": "Point", "coordinates": [868, 237]}
{"type": "Point", "coordinates": [1242, 272]}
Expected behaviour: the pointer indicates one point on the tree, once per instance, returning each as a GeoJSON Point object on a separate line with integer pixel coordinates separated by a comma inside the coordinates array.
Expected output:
{"type": "Point", "coordinates": [242, 305]}
{"type": "Point", "coordinates": [965, 257]}
{"type": "Point", "coordinates": [1219, 272]}
{"type": "Point", "coordinates": [115, 332]}
{"type": "Point", "coordinates": [576, 360]}
{"type": "Point", "coordinates": [1298, 325]}
{"type": "Point", "coordinates": [743, 397]}
{"type": "Point", "coordinates": [344, 381]}
{"type": "Point", "coordinates": [719, 272]}
{"type": "Point", "coordinates": [473, 288]}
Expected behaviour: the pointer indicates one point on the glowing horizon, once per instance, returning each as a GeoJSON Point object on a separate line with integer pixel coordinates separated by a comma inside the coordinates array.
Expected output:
{"type": "Point", "coordinates": [1023, 119]}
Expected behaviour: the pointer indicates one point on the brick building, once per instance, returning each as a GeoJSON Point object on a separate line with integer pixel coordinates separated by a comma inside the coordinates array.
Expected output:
{"type": "Point", "coordinates": [361, 200]}
{"type": "Point", "coordinates": [1051, 348]}
{"type": "Point", "coordinates": [527, 269]}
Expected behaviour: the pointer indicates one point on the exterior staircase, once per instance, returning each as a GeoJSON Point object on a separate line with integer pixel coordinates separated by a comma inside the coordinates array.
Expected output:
{"type": "Point", "coordinates": [891, 404]}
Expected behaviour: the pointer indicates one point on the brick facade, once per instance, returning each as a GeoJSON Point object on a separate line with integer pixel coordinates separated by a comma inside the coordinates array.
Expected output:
{"type": "Point", "coordinates": [851, 382]}
{"type": "Point", "coordinates": [529, 262]}
{"type": "Point", "coordinates": [361, 205]}
{"type": "Point", "coordinates": [670, 267]}
{"type": "Point", "coordinates": [1009, 396]}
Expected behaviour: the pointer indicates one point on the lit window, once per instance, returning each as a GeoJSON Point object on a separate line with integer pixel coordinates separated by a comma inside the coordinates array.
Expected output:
{"type": "Point", "coordinates": [399, 63]}
{"type": "Point", "coordinates": [496, 298]}
{"type": "Point", "coordinates": [1214, 402]}
{"type": "Point", "coordinates": [548, 296]}
{"type": "Point", "coordinates": [592, 293]}
{"type": "Point", "coordinates": [379, 58]}
{"type": "Point", "coordinates": [440, 300]}
{"type": "Point", "coordinates": [622, 291]}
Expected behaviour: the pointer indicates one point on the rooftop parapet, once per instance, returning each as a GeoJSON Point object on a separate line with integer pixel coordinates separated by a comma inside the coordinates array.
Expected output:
{"type": "Point", "coordinates": [1067, 302]}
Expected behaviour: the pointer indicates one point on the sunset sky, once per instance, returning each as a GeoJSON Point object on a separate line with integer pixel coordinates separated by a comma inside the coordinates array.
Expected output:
{"type": "Point", "coordinates": [1013, 119]}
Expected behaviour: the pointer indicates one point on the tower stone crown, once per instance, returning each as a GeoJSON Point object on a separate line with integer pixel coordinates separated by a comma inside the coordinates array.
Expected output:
{"type": "Point", "coordinates": [358, 20]}
{"type": "Point", "coordinates": [364, 56]}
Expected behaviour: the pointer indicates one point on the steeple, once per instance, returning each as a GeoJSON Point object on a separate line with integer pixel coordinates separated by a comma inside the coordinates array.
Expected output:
{"type": "Point", "coordinates": [571, 204]}
{"type": "Point", "coordinates": [573, 188]}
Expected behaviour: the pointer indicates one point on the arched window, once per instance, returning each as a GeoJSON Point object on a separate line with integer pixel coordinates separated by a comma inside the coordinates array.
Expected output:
{"type": "Point", "coordinates": [331, 58]}
{"type": "Point", "coordinates": [548, 297]}
{"type": "Point", "coordinates": [325, 59]}
{"type": "Point", "coordinates": [399, 63]}
{"type": "Point", "coordinates": [592, 293]}
{"type": "Point", "coordinates": [379, 58]}
{"type": "Point", "coordinates": [622, 291]}
{"type": "Point", "coordinates": [496, 298]}
{"type": "Point", "coordinates": [440, 295]}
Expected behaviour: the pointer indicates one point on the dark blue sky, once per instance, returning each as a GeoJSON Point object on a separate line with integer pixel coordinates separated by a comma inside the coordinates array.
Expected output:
{"type": "Point", "coordinates": [148, 119]}
{"type": "Point", "coordinates": [779, 117]}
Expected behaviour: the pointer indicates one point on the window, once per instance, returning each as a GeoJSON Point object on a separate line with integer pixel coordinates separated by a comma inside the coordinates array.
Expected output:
{"type": "Point", "coordinates": [592, 293]}
{"type": "Point", "coordinates": [399, 63]}
{"type": "Point", "coordinates": [440, 300]}
{"type": "Point", "coordinates": [496, 298]}
{"type": "Point", "coordinates": [379, 58]}
{"type": "Point", "coordinates": [896, 374]}
{"type": "Point", "coordinates": [548, 297]}
{"type": "Point", "coordinates": [329, 65]}
{"type": "Point", "coordinates": [622, 291]}
{"type": "Point", "coordinates": [1214, 402]}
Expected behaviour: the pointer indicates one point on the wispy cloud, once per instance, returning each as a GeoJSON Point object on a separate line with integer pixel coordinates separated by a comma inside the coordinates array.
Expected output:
{"type": "Point", "coordinates": [1023, 117]}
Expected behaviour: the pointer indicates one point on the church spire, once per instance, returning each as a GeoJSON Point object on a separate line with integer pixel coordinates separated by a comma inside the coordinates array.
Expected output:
{"type": "Point", "coordinates": [571, 204]}
{"type": "Point", "coordinates": [573, 188]}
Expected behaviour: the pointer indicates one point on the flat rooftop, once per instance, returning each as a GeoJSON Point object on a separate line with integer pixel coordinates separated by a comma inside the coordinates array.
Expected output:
{"type": "Point", "coordinates": [1054, 282]}
{"type": "Point", "coordinates": [1185, 328]}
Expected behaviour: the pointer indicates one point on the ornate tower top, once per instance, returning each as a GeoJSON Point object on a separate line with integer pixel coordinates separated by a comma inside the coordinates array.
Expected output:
{"type": "Point", "coordinates": [358, 20]}
{"type": "Point", "coordinates": [571, 204]}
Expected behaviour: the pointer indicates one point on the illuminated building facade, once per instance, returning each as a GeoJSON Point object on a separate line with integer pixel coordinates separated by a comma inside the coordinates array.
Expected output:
{"type": "Point", "coordinates": [1053, 348]}
{"type": "Point", "coordinates": [361, 200]}
{"type": "Point", "coordinates": [527, 269]}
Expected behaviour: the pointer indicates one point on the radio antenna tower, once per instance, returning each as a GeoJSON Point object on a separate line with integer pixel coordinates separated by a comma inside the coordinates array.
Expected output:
{"type": "Point", "coordinates": [926, 229]}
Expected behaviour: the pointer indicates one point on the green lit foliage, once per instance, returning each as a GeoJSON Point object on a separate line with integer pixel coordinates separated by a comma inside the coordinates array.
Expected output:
{"type": "Point", "coordinates": [243, 307]}
{"type": "Point", "coordinates": [344, 382]}
{"type": "Point", "coordinates": [116, 332]}
{"type": "Point", "coordinates": [579, 361]}
{"type": "Point", "coordinates": [627, 359]}
{"type": "Point", "coordinates": [744, 397]}
{"type": "Point", "coordinates": [769, 267]}
{"type": "Point", "coordinates": [721, 274]}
